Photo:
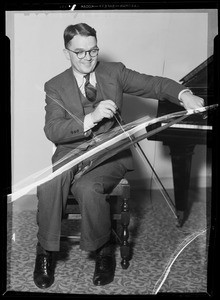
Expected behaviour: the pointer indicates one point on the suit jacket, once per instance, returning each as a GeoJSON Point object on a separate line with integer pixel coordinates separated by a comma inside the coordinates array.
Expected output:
{"type": "Point", "coordinates": [65, 129]}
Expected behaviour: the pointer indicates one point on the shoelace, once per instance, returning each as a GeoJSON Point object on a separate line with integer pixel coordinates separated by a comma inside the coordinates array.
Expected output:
{"type": "Point", "coordinates": [45, 264]}
{"type": "Point", "coordinates": [102, 262]}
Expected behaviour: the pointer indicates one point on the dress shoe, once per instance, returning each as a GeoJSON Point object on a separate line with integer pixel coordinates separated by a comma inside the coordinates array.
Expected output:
{"type": "Point", "coordinates": [44, 270]}
{"type": "Point", "coordinates": [104, 267]}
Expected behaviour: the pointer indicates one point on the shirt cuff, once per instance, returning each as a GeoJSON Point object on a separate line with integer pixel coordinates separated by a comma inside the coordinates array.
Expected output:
{"type": "Point", "coordinates": [183, 91]}
{"type": "Point", "coordinates": [180, 94]}
{"type": "Point", "coordinates": [88, 123]}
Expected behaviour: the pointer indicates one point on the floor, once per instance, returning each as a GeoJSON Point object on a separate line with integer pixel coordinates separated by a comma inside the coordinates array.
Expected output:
{"type": "Point", "coordinates": [164, 258]}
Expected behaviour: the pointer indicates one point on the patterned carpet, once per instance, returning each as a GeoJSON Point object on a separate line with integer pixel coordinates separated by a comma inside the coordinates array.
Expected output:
{"type": "Point", "coordinates": [165, 259]}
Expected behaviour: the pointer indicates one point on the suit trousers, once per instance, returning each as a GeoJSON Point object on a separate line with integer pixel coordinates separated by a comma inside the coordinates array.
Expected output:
{"type": "Point", "coordinates": [90, 190]}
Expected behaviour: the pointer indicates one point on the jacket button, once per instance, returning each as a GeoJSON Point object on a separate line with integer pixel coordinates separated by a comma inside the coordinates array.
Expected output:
{"type": "Point", "coordinates": [87, 133]}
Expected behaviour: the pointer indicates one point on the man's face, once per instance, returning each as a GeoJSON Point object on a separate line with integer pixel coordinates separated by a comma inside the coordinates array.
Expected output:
{"type": "Point", "coordinates": [82, 43]}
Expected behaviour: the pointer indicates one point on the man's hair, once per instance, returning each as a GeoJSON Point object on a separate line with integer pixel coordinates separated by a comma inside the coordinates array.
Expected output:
{"type": "Point", "coordinates": [81, 29]}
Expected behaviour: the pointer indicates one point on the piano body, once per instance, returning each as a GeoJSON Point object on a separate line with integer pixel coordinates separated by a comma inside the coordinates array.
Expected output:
{"type": "Point", "coordinates": [183, 137]}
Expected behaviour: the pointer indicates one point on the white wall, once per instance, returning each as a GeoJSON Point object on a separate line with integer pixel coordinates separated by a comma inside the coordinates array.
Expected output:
{"type": "Point", "coordinates": [164, 43]}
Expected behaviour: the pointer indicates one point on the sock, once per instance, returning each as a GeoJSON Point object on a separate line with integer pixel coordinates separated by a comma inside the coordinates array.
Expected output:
{"type": "Point", "coordinates": [40, 249]}
{"type": "Point", "coordinates": [106, 249]}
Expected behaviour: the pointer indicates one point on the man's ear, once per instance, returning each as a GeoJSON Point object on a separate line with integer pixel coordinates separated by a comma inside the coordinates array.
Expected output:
{"type": "Point", "coordinates": [66, 53]}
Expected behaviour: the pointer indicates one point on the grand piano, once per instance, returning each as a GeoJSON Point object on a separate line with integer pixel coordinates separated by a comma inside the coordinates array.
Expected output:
{"type": "Point", "coordinates": [182, 137]}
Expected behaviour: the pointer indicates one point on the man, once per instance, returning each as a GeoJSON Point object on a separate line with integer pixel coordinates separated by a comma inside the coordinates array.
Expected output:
{"type": "Point", "coordinates": [77, 108]}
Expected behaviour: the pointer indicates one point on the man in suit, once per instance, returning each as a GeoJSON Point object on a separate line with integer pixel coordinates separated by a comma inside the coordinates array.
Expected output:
{"type": "Point", "coordinates": [77, 108]}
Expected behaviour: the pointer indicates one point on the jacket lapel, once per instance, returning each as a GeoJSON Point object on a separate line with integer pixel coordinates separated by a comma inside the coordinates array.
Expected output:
{"type": "Point", "coordinates": [72, 93]}
{"type": "Point", "coordinates": [106, 83]}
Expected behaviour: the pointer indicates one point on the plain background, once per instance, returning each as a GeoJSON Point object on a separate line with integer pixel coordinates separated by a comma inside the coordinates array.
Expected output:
{"type": "Point", "coordinates": [164, 43]}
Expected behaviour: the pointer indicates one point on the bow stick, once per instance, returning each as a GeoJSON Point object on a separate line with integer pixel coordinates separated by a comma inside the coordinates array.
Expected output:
{"type": "Point", "coordinates": [101, 145]}
{"type": "Point", "coordinates": [123, 143]}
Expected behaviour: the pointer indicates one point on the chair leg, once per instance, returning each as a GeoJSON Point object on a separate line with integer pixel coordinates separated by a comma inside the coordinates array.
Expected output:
{"type": "Point", "coordinates": [125, 247]}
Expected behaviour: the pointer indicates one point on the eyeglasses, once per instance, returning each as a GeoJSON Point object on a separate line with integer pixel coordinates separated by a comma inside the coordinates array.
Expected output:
{"type": "Point", "coordinates": [82, 54]}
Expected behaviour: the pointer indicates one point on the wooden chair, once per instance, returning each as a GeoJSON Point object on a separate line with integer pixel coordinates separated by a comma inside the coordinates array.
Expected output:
{"type": "Point", "coordinates": [119, 203]}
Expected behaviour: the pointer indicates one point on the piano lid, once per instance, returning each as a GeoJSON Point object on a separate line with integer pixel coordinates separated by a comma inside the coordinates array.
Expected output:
{"type": "Point", "coordinates": [201, 82]}
{"type": "Point", "coordinates": [201, 79]}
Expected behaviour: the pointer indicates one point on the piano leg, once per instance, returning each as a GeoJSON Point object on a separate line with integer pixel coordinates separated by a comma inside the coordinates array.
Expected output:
{"type": "Point", "coordinates": [181, 157]}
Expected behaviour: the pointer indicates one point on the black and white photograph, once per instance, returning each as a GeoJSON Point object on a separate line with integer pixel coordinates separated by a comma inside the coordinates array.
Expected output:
{"type": "Point", "coordinates": [113, 122]}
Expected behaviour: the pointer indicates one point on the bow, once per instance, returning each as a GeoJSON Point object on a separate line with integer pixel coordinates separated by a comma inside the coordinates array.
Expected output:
{"type": "Point", "coordinates": [106, 145]}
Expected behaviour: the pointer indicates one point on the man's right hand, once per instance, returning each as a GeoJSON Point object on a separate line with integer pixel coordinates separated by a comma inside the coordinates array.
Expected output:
{"type": "Point", "coordinates": [105, 109]}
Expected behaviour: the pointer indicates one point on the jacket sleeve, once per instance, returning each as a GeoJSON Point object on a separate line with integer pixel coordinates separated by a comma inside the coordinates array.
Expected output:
{"type": "Point", "coordinates": [149, 86]}
{"type": "Point", "coordinates": [60, 126]}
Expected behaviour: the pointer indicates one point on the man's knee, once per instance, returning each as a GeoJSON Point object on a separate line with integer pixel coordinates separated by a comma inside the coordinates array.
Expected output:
{"type": "Point", "coordinates": [85, 190]}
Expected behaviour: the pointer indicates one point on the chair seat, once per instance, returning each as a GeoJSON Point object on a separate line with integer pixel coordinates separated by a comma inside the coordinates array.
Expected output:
{"type": "Point", "coordinates": [121, 190]}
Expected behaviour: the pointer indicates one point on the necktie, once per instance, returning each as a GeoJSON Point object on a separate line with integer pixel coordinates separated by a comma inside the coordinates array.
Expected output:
{"type": "Point", "coordinates": [90, 90]}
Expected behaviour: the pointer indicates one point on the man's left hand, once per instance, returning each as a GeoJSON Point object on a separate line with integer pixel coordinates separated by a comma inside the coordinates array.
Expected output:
{"type": "Point", "coordinates": [190, 101]}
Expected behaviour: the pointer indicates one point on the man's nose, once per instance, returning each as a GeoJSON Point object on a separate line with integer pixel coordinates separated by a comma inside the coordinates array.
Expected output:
{"type": "Point", "coordinates": [88, 56]}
